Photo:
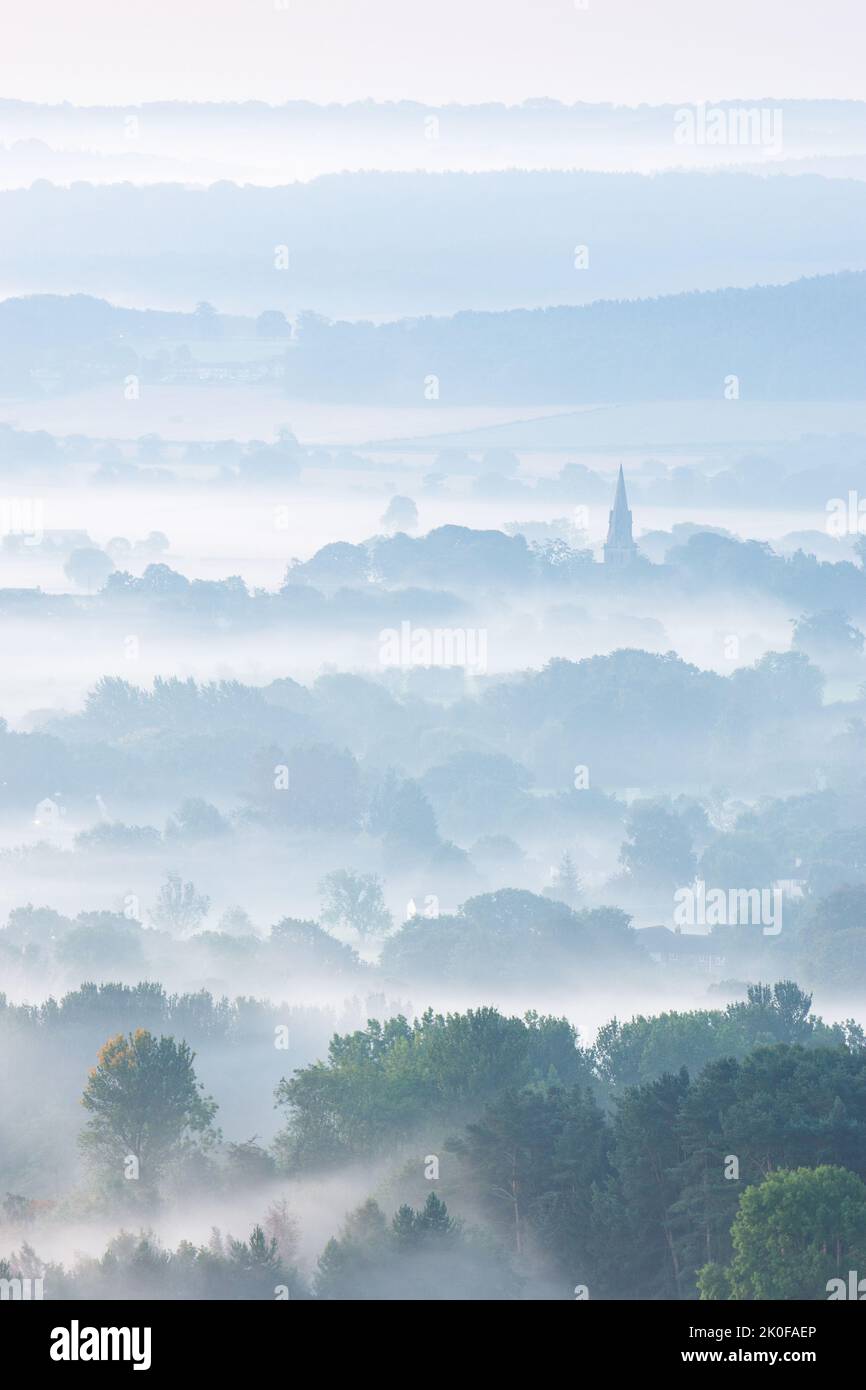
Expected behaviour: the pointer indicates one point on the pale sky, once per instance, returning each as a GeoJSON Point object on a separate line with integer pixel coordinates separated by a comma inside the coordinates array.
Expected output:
{"type": "Point", "coordinates": [434, 51]}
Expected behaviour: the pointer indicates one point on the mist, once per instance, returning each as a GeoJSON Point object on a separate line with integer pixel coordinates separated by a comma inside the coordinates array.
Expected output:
{"type": "Point", "coordinates": [433, 715]}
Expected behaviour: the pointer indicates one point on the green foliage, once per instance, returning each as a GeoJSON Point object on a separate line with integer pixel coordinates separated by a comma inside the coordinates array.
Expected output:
{"type": "Point", "coordinates": [828, 633]}
{"type": "Point", "coordinates": [423, 1254]}
{"type": "Point", "coordinates": [633, 1234]}
{"type": "Point", "coordinates": [307, 950]}
{"type": "Point", "coordinates": [179, 908]}
{"type": "Point", "coordinates": [101, 940]}
{"type": "Point", "coordinates": [196, 819]}
{"type": "Point", "coordinates": [566, 886]}
{"type": "Point", "coordinates": [354, 901]}
{"type": "Point", "coordinates": [658, 850]}
{"type": "Point", "coordinates": [145, 1104]}
{"type": "Point", "coordinates": [384, 1082]}
{"type": "Point", "coordinates": [627, 1054]}
{"type": "Point", "coordinates": [780, 1107]}
{"type": "Point", "coordinates": [636, 1198]}
{"type": "Point", "coordinates": [513, 936]}
{"type": "Point", "coordinates": [138, 1267]}
{"type": "Point", "coordinates": [793, 1233]}
{"type": "Point", "coordinates": [89, 568]}
{"type": "Point", "coordinates": [531, 1163]}
{"type": "Point", "coordinates": [833, 940]}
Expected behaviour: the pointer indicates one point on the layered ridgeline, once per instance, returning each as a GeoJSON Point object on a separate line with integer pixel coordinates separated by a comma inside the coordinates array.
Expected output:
{"type": "Point", "coordinates": [382, 244]}
{"type": "Point", "coordinates": [256, 142]}
{"type": "Point", "coordinates": [802, 341]}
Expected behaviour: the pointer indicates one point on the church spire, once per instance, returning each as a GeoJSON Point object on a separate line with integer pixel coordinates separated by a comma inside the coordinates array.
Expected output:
{"type": "Point", "coordinates": [619, 548]}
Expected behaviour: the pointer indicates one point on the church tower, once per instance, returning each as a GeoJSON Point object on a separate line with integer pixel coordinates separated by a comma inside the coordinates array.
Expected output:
{"type": "Point", "coordinates": [619, 548]}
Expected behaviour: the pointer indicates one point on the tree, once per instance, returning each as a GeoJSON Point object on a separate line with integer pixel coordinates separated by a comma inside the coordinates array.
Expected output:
{"type": "Point", "coordinates": [423, 1254]}
{"type": "Point", "coordinates": [355, 902]}
{"type": "Point", "coordinates": [629, 1054]}
{"type": "Point", "coordinates": [114, 706]}
{"type": "Point", "coordinates": [324, 786]}
{"type": "Point", "coordinates": [401, 813]}
{"type": "Point", "coordinates": [282, 1226]}
{"type": "Point", "coordinates": [115, 837]}
{"type": "Point", "coordinates": [499, 460]}
{"type": "Point", "coordinates": [513, 936]}
{"type": "Point", "coordinates": [207, 320]}
{"type": "Point", "coordinates": [258, 1258]}
{"type": "Point", "coordinates": [196, 819]}
{"type": "Point", "coordinates": [236, 921]}
{"type": "Point", "coordinates": [17, 1210]}
{"type": "Point", "coordinates": [150, 448]}
{"type": "Point", "coordinates": [433, 1217]}
{"type": "Point", "coordinates": [305, 949]}
{"type": "Point", "coordinates": [382, 1082]}
{"type": "Point", "coordinates": [833, 939]}
{"type": "Point", "coordinates": [401, 515]}
{"type": "Point", "coordinates": [779, 683]}
{"type": "Point", "coordinates": [272, 323]}
{"type": "Point", "coordinates": [347, 1260]}
{"type": "Point", "coordinates": [137, 1267]}
{"type": "Point", "coordinates": [101, 942]}
{"type": "Point", "coordinates": [509, 1159]}
{"type": "Point", "coordinates": [781, 1107]}
{"type": "Point", "coordinates": [566, 887]}
{"type": "Point", "coordinates": [533, 1162]}
{"type": "Point", "coordinates": [154, 543]}
{"type": "Point", "coordinates": [510, 1154]}
{"type": "Point", "coordinates": [741, 857]}
{"type": "Point", "coordinates": [335, 566]}
{"type": "Point", "coordinates": [411, 1228]}
{"type": "Point", "coordinates": [782, 1011]}
{"type": "Point", "coordinates": [36, 926]}
{"type": "Point", "coordinates": [658, 849]}
{"type": "Point", "coordinates": [89, 568]}
{"type": "Point", "coordinates": [635, 1240]}
{"type": "Point", "coordinates": [477, 793]}
{"type": "Point", "coordinates": [249, 1164]}
{"type": "Point", "coordinates": [827, 634]}
{"type": "Point", "coordinates": [793, 1233]}
{"type": "Point", "coordinates": [178, 906]}
{"type": "Point", "coordinates": [161, 581]}
{"type": "Point", "coordinates": [145, 1103]}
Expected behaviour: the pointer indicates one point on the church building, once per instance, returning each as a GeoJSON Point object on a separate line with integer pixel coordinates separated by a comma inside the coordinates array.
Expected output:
{"type": "Point", "coordinates": [619, 548]}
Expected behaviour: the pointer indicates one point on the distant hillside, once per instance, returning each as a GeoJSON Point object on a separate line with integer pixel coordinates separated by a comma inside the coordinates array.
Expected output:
{"type": "Point", "coordinates": [803, 341]}
{"type": "Point", "coordinates": [390, 245]}
{"type": "Point", "coordinates": [666, 425]}
{"type": "Point", "coordinates": [255, 142]}
{"type": "Point", "coordinates": [64, 342]}
{"type": "Point", "coordinates": [79, 320]}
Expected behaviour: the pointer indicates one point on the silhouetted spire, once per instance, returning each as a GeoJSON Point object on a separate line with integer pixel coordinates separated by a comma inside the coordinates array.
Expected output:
{"type": "Point", "coordinates": [619, 548]}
